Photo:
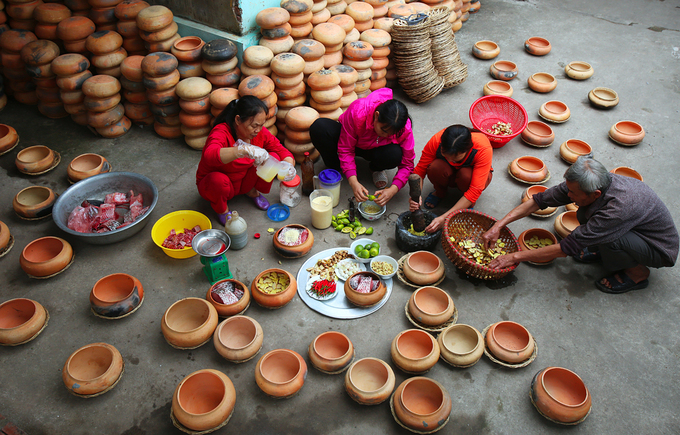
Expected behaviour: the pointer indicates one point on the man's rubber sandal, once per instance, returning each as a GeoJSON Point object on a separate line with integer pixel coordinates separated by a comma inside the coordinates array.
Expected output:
{"type": "Point", "coordinates": [431, 199]}
{"type": "Point", "coordinates": [588, 256]}
{"type": "Point", "coordinates": [620, 287]}
{"type": "Point", "coordinates": [260, 202]}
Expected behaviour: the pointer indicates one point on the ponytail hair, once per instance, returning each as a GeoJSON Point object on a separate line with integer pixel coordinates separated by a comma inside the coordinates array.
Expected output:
{"type": "Point", "coordinates": [245, 107]}
{"type": "Point", "coordinates": [394, 114]}
{"type": "Point", "coordinates": [456, 139]}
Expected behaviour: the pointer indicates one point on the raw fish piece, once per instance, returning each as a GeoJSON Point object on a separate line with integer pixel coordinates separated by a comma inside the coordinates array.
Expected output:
{"type": "Point", "coordinates": [116, 198]}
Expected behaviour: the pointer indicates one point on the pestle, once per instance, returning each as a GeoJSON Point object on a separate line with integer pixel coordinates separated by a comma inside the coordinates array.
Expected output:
{"type": "Point", "coordinates": [417, 217]}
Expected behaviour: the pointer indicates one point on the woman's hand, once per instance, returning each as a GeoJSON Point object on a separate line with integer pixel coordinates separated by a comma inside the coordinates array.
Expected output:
{"type": "Point", "coordinates": [291, 171]}
{"type": "Point", "coordinates": [360, 192]}
{"type": "Point", "coordinates": [436, 224]}
{"type": "Point", "coordinates": [413, 206]}
{"type": "Point", "coordinates": [383, 196]}
{"type": "Point", "coordinates": [259, 155]}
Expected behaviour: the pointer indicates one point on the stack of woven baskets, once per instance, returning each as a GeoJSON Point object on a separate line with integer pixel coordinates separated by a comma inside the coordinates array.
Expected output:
{"type": "Point", "coordinates": [445, 55]}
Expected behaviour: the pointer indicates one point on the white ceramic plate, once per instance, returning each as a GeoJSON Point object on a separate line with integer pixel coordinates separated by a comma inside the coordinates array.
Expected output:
{"type": "Point", "coordinates": [308, 289]}
{"type": "Point", "coordinates": [340, 268]}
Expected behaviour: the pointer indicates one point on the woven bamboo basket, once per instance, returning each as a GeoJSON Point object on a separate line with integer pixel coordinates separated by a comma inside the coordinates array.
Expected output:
{"type": "Point", "coordinates": [466, 223]}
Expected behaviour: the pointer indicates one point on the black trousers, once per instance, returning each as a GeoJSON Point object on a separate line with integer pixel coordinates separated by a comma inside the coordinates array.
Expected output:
{"type": "Point", "coordinates": [325, 134]}
{"type": "Point", "coordinates": [629, 251]}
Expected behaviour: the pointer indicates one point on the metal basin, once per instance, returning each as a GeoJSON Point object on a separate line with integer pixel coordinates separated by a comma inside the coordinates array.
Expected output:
{"type": "Point", "coordinates": [211, 243]}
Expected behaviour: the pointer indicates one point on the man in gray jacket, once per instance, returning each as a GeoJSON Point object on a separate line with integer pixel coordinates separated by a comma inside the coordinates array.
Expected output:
{"type": "Point", "coordinates": [624, 225]}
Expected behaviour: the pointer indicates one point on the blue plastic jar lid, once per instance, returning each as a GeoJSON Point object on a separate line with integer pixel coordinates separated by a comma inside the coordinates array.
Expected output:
{"type": "Point", "coordinates": [278, 212]}
{"type": "Point", "coordinates": [330, 176]}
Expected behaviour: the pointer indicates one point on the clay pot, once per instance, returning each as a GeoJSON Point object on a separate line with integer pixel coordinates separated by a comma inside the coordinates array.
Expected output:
{"type": "Point", "coordinates": [20, 319]}
{"type": "Point", "coordinates": [431, 306]}
{"type": "Point", "coordinates": [538, 134]}
{"type": "Point", "coordinates": [129, 9]}
{"type": "Point", "coordinates": [537, 46]}
{"type": "Point", "coordinates": [4, 237]}
{"type": "Point", "coordinates": [571, 207]}
{"type": "Point", "coordinates": [365, 299]}
{"type": "Point", "coordinates": [154, 18]}
{"type": "Point", "coordinates": [101, 86]}
{"type": "Point", "coordinates": [69, 64]}
{"type": "Point", "coordinates": [92, 369]}
{"type": "Point", "coordinates": [627, 133]}
{"type": "Point", "coordinates": [162, 83]}
{"type": "Point", "coordinates": [51, 13]}
{"type": "Point", "coordinates": [34, 202]}
{"type": "Point", "coordinates": [273, 301]}
{"type": "Point", "coordinates": [528, 168]}
{"type": "Point", "coordinates": [331, 352]}
{"type": "Point", "coordinates": [189, 323]}
{"type": "Point", "coordinates": [510, 342]}
{"type": "Point", "coordinates": [485, 50]}
{"type": "Point", "coordinates": [308, 49]}
{"type": "Point", "coordinates": [238, 338]}
{"type": "Point", "coordinates": [503, 70]}
{"type": "Point", "coordinates": [296, 251]}
{"type": "Point", "coordinates": [116, 130]}
{"type": "Point", "coordinates": [461, 345]}
{"type": "Point", "coordinates": [272, 17]}
{"type": "Point", "coordinates": [572, 149]}
{"type": "Point", "coordinates": [167, 131]}
{"type": "Point", "coordinates": [542, 82]}
{"type": "Point", "coordinates": [34, 159]}
{"type": "Point", "coordinates": [529, 193]}
{"type": "Point", "coordinates": [131, 68]}
{"type": "Point", "coordinates": [188, 49]}
{"type": "Point", "coordinates": [280, 373]}
{"type": "Point", "coordinates": [105, 119]}
{"type": "Point", "coordinates": [422, 404]}
{"type": "Point", "coordinates": [495, 87]}
{"type": "Point", "coordinates": [258, 86]}
{"type": "Point", "coordinates": [116, 295]}
{"type": "Point", "coordinates": [39, 52]}
{"type": "Point", "coordinates": [109, 62]}
{"type": "Point", "coordinates": [369, 381]}
{"type": "Point", "coordinates": [414, 351]}
{"type": "Point", "coordinates": [555, 111]}
{"type": "Point", "coordinates": [423, 268]}
{"type": "Point", "coordinates": [560, 395]}
{"type": "Point", "coordinates": [161, 46]}
{"type": "Point", "coordinates": [159, 64]}
{"type": "Point", "coordinates": [203, 400]}
{"type": "Point", "coordinates": [627, 172]}
{"type": "Point", "coordinates": [287, 64]}
{"type": "Point", "coordinates": [301, 118]}
{"type": "Point", "coordinates": [579, 70]}
{"type": "Point", "coordinates": [103, 41]}
{"type": "Point", "coordinates": [565, 223]}
{"type": "Point", "coordinates": [87, 165]}
{"type": "Point", "coordinates": [46, 256]}
{"type": "Point", "coordinates": [8, 138]}
{"type": "Point", "coordinates": [541, 234]}
{"type": "Point", "coordinates": [218, 50]}
{"type": "Point", "coordinates": [604, 98]}
{"type": "Point", "coordinates": [193, 88]}
{"type": "Point", "coordinates": [73, 82]}
{"type": "Point", "coordinates": [161, 35]}
{"type": "Point", "coordinates": [225, 310]}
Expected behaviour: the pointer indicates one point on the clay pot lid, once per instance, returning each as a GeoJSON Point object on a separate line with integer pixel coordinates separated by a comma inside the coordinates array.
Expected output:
{"type": "Point", "coordinates": [329, 34]}
{"type": "Point", "coordinates": [499, 86]}
{"type": "Point", "coordinates": [86, 162]}
{"type": "Point", "coordinates": [280, 366]}
{"type": "Point", "coordinates": [90, 362]}
{"type": "Point", "coordinates": [629, 127]}
{"type": "Point", "coordinates": [486, 45]}
{"type": "Point", "coordinates": [543, 78]}
{"type": "Point", "coordinates": [578, 146]}
{"type": "Point", "coordinates": [14, 40]}
{"type": "Point", "coordinates": [69, 63]}
{"type": "Point", "coordinates": [605, 94]}
{"type": "Point", "coordinates": [272, 17]}
{"type": "Point", "coordinates": [187, 315]}
{"type": "Point", "coordinates": [569, 220]}
{"type": "Point", "coordinates": [530, 163]}
{"type": "Point", "coordinates": [33, 195]}
{"type": "Point", "coordinates": [415, 344]}
{"type": "Point", "coordinates": [369, 374]}
{"type": "Point", "coordinates": [201, 392]}
{"type": "Point", "coordinates": [461, 339]}
{"type": "Point", "coordinates": [16, 312]}
{"type": "Point", "coordinates": [237, 332]}
{"type": "Point", "coordinates": [556, 107]}
{"type": "Point", "coordinates": [580, 66]}
{"type": "Point", "coordinates": [627, 172]}
{"type": "Point", "coordinates": [332, 345]}
{"type": "Point", "coordinates": [114, 288]}
{"type": "Point", "coordinates": [511, 336]}
{"type": "Point", "coordinates": [297, 6]}
{"type": "Point", "coordinates": [34, 154]}
{"type": "Point", "coordinates": [505, 65]}
{"type": "Point", "coordinates": [422, 396]}
{"type": "Point", "coordinates": [431, 300]}
{"type": "Point", "coordinates": [539, 128]}
{"type": "Point", "coordinates": [564, 386]}
{"type": "Point", "coordinates": [128, 10]}
{"type": "Point", "coordinates": [423, 262]}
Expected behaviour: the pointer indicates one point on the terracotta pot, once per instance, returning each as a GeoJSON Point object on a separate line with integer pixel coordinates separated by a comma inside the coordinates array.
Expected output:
{"type": "Point", "coordinates": [369, 381]}
{"type": "Point", "coordinates": [603, 98]}
{"type": "Point", "coordinates": [258, 86]}
{"type": "Point", "coordinates": [560, 395]}
{"type": "Point", "coordinates": [189, 323]}
{"type": "Point", "coordinates": [287, 64]}
{"type": "Point", "coordinates": [535, 232]}
{"type": "Point", "coordinates": [579, 70]}
{"type": "Point", "coordinates": [461, 345]}
{"type": "Point", "coordinates": [20, 319]}
{"type": "Point", "coordinates": [103, 41]}
{"type": "Point", "coordinates": [529, 193]}
{"type": "Point", "coordinates": [101, 104]}
{"type": "Point", "coordinates": [219, 50]}
{"type": "Point", "coordinates": [571, 207]}
{"type": "Point", "coordinates": [128, 10]}
{"type": "Point", "coordinates": [485, 50]}
{"type": "Point", "coordinates": [46, 256]}
{"type": "Point", "coordinates": [555, 111]}
{"type": "Point", "coordinates": [87, 165]}
{"type": "Point", "coordinates": [109, 60]}
{"type": "Point", "coordinates": [159, 64]}
{"type": "Point", "coordinates": [162, 83]}
{"type": "Point", "coordinates": [272, 17]}
{"type": "Point", "coordinates": [204, 400]}
{"type": "Point", "coordinates": [423, 268]}
{"type": "Point", "coordinates": [190, 69]}
{"type": "Point", "coordinates": [46, 31]}
{"type": "Point", "coordinates": [34, 159]}
{"type": "Point", "coordinates": [422, 404]}
{"type": "Point", "coordinates": [39, 52]}
{"type": "Point", "coordinates": [572, 149]}
{"type": "Point", "coordinates": [542, 82]}
{"type": "Point", "coordinates": [296, 251]}
{"type": "Point", "coordinates": [627, 172]}
{"type": "Point", "coordinates": [503, 70]}
{"type": "Point", "coordinates": [116, 295]}
{"type": "Point", "coordinates": [431, 306]}
{"type": "Point", "coordinates": [163, 34]}
{"type": "Point", "coordinates": [34, 202]}
{"type": "Point", "coordinates": [162, 46]}
{"type": "Point", "coordinates": [51, 13]}
{"type": "Point", "coordinates": [414, 351]}
{"type": "Point", "coordinates": [538, 133]}
{"type": "Point", "coordinates": [73, 82]}
{"type": "Point", "coordinates": [69, 64]}
{"type": "Point", "coordinates": [4, 236]}
{"type": "Point", "coordinates": [193, 88]}
{"type": "Point", "coordinates": [529, 168]}
{"type": "Point", "coordinates": [627, 133]}
{"type": "Point", "coordinates": [14, 40]}
{"type": "Point", "coordinates": [218, 68]}
{"type": "Point", "coordinates": [131, 68]}
{"type": "Point", "coordinates": [537, 46]}
{"type": "Point", "coordinates": [162, 98]}
{"type": "Point", "coordinates": [196, 132]}
{"type": "Point", "coordinates": [8, 137]}
{"type": "Point", "coordinates": [301, 118]}
{"type": "Point", "coordinates": [128, 30]}
{"type": "Point", "coordinates": [188, 49]}
{"type": "Point", "coordinates": [92, 369]}
{"type": "Point", "coordinates": [331, 351]}
{"type": "Point", "coordinates": [276, 300]}
{"type": "Point", "coordinates": [280, 373]}
{"type": "Point", "coordinates": [238, 338]}
{"type": "Point", "coordinates": [76, 46]}
{"type": "Point", "coordinates": [48, 95]}
{"type": "Point", "coordinates": [105, 119]}
{"type": "Point", "coordinates": [116, 130]}
{"type": "Point", "coordinates": [52, 110]}
{"type": "Point", "coordinates": [154, 18]}
{"type": "Point", "coordinates": [565, 223]}
{"type": "Point", "coordinates": [195, 120]}
{"type": "Point", "coordinates": [226, 310]}
{"type": "Point", "coordinates": [365, 299]}
{"type": "Point", "coordinates": [510, 342]}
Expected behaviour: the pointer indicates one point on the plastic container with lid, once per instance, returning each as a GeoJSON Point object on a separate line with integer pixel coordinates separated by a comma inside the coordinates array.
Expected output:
{"type": "Point", "coordinates": [290, 192]}
{"type": "Point", "coordinates": [329, 179]}
{"type": "Point", "coordinates": [237, 228]}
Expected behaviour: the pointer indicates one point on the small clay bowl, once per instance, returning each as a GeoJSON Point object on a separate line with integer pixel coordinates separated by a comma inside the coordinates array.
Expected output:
{"type": "Point", "coordinates": [365, 299]}
{"type": "Point", "coordinates": [8, 138]}
{"type": "Point", "coordinates": [35, 159]}
{"type": "Point", "coordinates": [560, 395]}
{"type": "Point", "coordinates": [603, 98]}
{"type": "Point", "coordinates": [34, 202]}
{"type": "Point", "coordinates": [20, 320]}
{"type": "Point", "coordinates": [461, 345]}
{"type": "Point", "coordinates": [537, 46]}
{"type": "Point", "coordinates": [280, 373]}
{"type": "Point", "coordinates": [538, 134]}
{"type": "Point", "coordinates": [485, 50]}
{"type": "Point", "coordinates": [92, 369]}
{"type": "Point", "coordinates": [238, 338]}
{"type": "Point", "coordinates": [542, 82]}
{"type": "Point", "coordinates": [431, 306]}
{"type": "Point", "coordinates": [579, 70]}
{"type": "Point", "coordinates": [422, 404]}
{"type": "Point", "coordinates": [510, 342]}
{"type": "Point", "coordinates": [369, 381]}
{"type": "Point", "coordinates": [535, 232]}
{"type": "Point", "coordinates": [498, 87]}
{"type": "Point", "coordinates": [226, 310]}
{"type": "Point", "coordinates": [46, 256]}
{"type": "Point", "coordinates": [565, 223]}
{"type": "Point", "coordinates": [423, 268]}
{"type": "Point", "coordinates": [276, 300]}
{"type": "Point", "coordinates": [188, 48]}
{"type": "Point", "coordinates": [5, 236]}
{"type": "Point", "coordinates": [571, 207]}
{"type": "Point", "coordinates": [116, 295]}
{"type": "Point", "coordinates": [503, 70]}
{"type": "Point", "coordinates": [627, 133]}
{"type": "Point", "coordinates": [414, 351]}
{"type": "Point", "coordinates": [529, 193]}
{"type": "Point", "coordinates": [189, 323]}
{"type": "Point", "coordinates": [204, 400]}
{"type": "Point", "coordinates": [529, 169]}
{"type": "Point", "coordinates": [627, 172]}
{"type": "Point", "coordinates": [572, 149]}
{"type": "Point", "coordinates": [87, 165]}
{"type": "Point", "coordinates": [294, 251]}
{"type": "Point", "coordinates": [555, 111]}
{"type": "Point", "coordinates": [331, 352]}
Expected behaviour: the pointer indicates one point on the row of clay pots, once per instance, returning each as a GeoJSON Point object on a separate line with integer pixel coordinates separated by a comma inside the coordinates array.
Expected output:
{"type": "Point", "coordinates": [195, 117]}
{"type": "Point", "coordinates": [134, 92]}
{"type": "Point", "coordinates": [296, 124]}
{"type": "Point", "coordinates": [220, 63]}
{"type": "Point", "coordinates": [126, 12]}
{"type": "Point", "coordinates": [72, 69]}
{"type": "Point", "coordinates": [488, 49]}
{"type": "Point", "coordinates": [14, 67]}
{"type": "Point", "coordinates": [290, 89]}
{"type": "Point", "coordinates": [38, 56]}
{"type": "Point", "coordinates": [157, 28]}
{"type": "Point", "coordinates": [160, 78]}
{"type": "Point", "coordinates": [105, 113]}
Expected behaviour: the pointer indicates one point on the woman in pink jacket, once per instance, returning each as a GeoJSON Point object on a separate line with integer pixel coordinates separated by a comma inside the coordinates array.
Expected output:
{"type": "Point", "coordinates": [376, 128]}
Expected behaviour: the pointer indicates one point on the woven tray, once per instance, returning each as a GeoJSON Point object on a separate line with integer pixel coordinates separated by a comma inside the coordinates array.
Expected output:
{"type": "Point", "coordinates": [505, 364]}
{"type": "Point", "coordinates": [408, 428]}
{"type": "Point", "coordinates": [7, 248]}
{"type": "Point", "coordinates": [55, 163]}
{"type": "Point", "coordinates": [185, 429]}
{"type": "Point", "coordinates": [438, 328]}
{"type": "Point", "coordinates": [402, 277]}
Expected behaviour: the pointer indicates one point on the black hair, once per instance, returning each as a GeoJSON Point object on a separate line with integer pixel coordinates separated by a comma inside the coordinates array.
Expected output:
{"type": "Point", "coordinates": [393, 113]}
{"type": "Point", "coordinates": [245, 107]}
{"type": "Point", "coordinates": [456, 139]}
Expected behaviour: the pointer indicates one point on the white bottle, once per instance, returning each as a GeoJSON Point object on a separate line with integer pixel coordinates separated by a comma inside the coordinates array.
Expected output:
{"type": "Point", "coordinates": [237, 228]}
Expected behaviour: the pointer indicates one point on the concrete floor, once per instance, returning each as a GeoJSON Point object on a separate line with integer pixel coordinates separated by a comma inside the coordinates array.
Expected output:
{"type": "Point", "coordinates": [625, 347]}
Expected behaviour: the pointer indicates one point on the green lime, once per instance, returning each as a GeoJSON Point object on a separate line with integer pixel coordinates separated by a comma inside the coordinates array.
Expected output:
{"type": "Point", "coordinates": [369, 231]}
{"type": "Point", "coordinates": [335, 226]}
{"type": "Point", "coordinates": [339, 226]}
{"type": "Point", "coordinates": [374, 251]}
{"type": "Point", "coordinates": [375, 245]}
{"type": "Point", "coordinates": [371, 197]}
{"type": "Point", "coordinates": [333, 219]}
{"type": "Point", "coordinates": [364, 254]}
{"type": "Point", "coordinates": [361, 230]}
{"type": "Point", "coordinates": [346, 230]}
{"type": "Point", "coordinates": [358, 249]}
{"type": "Point", "coordinates": [344, 221]}
{"type": "Point", "coordinates": [352, 235]}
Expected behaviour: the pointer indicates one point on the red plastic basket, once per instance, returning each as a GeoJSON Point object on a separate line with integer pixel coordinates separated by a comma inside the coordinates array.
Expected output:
{"type": "Point", "coordinates": [489, 110]}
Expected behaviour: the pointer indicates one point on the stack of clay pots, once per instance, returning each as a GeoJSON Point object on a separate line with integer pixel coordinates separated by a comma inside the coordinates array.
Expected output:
{"type": "Point", "coordinates": [72, 70]}
{"type": "Point", "coordinates": [107, 51]}
{"type": "Point", "coordinates": [379, 8]}
{"type": "Point", "coordinates": [358, 56]}
{"type": "Point", "coordinates": [380, 40]}
{"type": "Point", "coordinates": [336, 7]}
{"type": "Point", "coordinates": [320, 13]}
{"type": "Point", "coordinates": [312, 52]}
{"type": "Point", "coordinates": [187, 50]}
{"type": "Point", "coordinates": [195, 117]}
{"type": "Point", "coordinates": [160, 79]}
{"type": "Point", "coordinates": [456, 14]}
{"type": "Point", "coordinates": [326, 93]}
{"type": "Point", "coordinates": [401, 10]}
{"type": "Point", "coordinates": [104, 111]}
{"type": "Point", "coordinates": [346, 23]}
{"type": "Point", "coordinates": [287, 75]}
{"type": "Point", "coordinates": [74, 32]}
{"type": "Point", "coordinates": [348, 78]}
{"type": "Point", "coordinates": [256, 60]}
{"type": "Point", "coordinates": [135, 94]}
{"type": "Point", "coordinates": [274, 22]}
{"type": "Point", "coordinates": [20, 14]}
{"type": "Point", "coordinates": [48, 16]}
{"type": "Point", "coordinates": [261, 87]}
{"type": "Point", "coordinates": [103, 14]}
{"type": "Point", "coordinates": [14, 68]}
{"type": "Point", "coordinates": [38, 56]}
{"type": "Point", "coordinates": [126, 12]}
{"type": "Point", "coordinates": [384, 23]}
{"type": "Point", "coordinates": [297, 141]}
{"type": "Point", "coordinates": [220, 98]}
{"type": "Point", "coordinates": [362, 13]}
{"type": "Point", "coordinates": [300, 20]}
{"type": "Point", "coordinates": [465, 9]}
{"type": "Point", "coordinates": [220, 63]}
{"type": "Point", "coordinates": [157, 28]}
{"type": "Point", "coordinates": [79, 8]}
{"type": "Point", "coordinates": [331, 36]}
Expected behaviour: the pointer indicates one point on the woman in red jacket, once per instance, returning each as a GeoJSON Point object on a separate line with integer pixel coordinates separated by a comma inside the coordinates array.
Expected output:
{"type": "Point", "coordinates": [235, 147]}
{"type": "Point", "coordinates": [454, 157]}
